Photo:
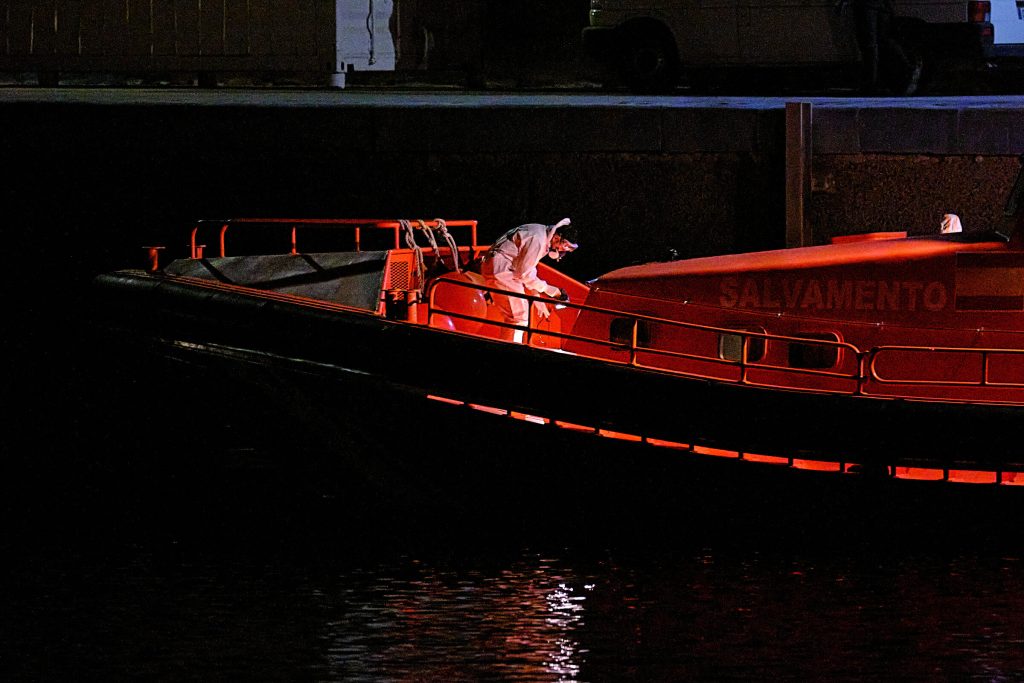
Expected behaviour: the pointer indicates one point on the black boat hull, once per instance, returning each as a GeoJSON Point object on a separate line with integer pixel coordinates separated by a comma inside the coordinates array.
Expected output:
{"type": "Point", "coordinates": [565, 387]}
{"type": "Point", "coordinates": [368, 453]}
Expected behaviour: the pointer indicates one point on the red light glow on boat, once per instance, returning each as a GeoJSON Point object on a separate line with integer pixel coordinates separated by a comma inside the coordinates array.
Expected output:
{"type": "Point", "coordinates": [774, 459]}
{"type": "Point", "coordinates": [959, 476]}
{"type": "Point", "coordinates": [622, 436]}
{"type": "Point", "coordinates": [716, 452]}
{"type": "Point", "coordinates": [923, 473]}
{"type": "Point", "coordinates": [818, 465]}
{"type": "Point", "coordinates": [488, 409]}
{"type": "Point", "coordinates": [442, 399]}
{"type": "Point", "coordinates": [973, 476]}
{"type": "Point", "coordinates": [669, 444]}
{"type": "Point", "coordinates": [529, 418]}
{"type": "Point", "coordinates": [574, 427]}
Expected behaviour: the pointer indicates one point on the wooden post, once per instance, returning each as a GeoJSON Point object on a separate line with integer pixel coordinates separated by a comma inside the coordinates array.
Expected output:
{"type": "Point", "coordinates": [798, 173]}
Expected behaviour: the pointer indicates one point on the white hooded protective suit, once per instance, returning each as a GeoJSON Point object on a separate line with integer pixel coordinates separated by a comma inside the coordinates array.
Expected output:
{"type": "Point", "coordinates": [511, 264]}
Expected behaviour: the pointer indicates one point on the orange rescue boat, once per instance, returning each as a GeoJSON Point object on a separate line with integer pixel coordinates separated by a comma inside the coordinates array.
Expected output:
{"type": "Point", "coordinates": [880, 355]}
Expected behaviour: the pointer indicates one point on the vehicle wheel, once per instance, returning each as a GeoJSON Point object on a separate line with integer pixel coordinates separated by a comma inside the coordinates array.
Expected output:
{"type": "Point", "coordinates": [650, 63]}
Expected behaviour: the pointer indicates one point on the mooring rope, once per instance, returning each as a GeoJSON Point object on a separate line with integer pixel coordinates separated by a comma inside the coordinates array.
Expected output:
{"type": "Point", "coordinates": [410, 241]}
{"type": "Point", "coordinates": [442, 227]}
{"type": "Point", "coordinates": [430, 238]}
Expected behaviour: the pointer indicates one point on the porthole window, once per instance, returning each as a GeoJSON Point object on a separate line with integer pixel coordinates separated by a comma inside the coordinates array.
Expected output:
{"type": "Point", "coordinates": [730, 346]}
{"type": "Point", "coordinates": [811, 356]}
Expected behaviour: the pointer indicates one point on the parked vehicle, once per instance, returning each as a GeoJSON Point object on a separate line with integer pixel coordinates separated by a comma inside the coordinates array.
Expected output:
{"type": "Point", "coordinates": [312, 41]}
{"type": "Point", "coordinates": [1008, 20]}
{"type": "Point", "coordinates": [655, 42]}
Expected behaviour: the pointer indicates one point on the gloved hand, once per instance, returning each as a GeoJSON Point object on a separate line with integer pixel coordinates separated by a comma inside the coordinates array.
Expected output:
{"type": "Point", "coordinates": [562, 295]}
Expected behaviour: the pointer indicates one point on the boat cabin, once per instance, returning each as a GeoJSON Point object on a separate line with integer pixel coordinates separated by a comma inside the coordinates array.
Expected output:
{"type": "Point", "coordinates": [929, 317]}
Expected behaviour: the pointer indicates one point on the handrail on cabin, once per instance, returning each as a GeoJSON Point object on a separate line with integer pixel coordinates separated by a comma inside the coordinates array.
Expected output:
{"type": "Point", "coordinates": [633, 346]}
{"type": "Point", "coordinates": [985, 353]}
{"type": "Point", "coordinates": [864, 361]}
{"type": "Point", "coordinates": [195, 249]}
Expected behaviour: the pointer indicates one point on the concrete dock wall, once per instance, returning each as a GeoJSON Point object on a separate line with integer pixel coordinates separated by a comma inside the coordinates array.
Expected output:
{"type": "Point", "coordinates": [99, 174]}
{"type": "Point", "coordinates": [52, 36]}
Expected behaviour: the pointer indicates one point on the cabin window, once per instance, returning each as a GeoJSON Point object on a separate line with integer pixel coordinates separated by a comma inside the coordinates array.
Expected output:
{"type": "Point", "coordinates": [621, 331]}
{"type": "Point", "coordinates": [730, 346]}
{"type": "Point", "coordinates": [813, 356]}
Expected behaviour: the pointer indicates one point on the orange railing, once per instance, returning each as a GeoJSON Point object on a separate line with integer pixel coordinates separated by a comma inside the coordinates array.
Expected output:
{"type": "Point", "coordinates": [357, 224]}
{"type": "Point", "coordinates": [633, 346]}
{"type": "Point", "coordinates": [984, 355]}
{"type": "Point", "coordinates": [863, 363]}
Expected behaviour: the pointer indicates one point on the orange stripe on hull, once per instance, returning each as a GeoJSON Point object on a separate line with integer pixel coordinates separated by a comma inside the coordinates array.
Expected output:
{"type": "Point", "coordinates": [442, 399]}
{"type": "Point", "coordinates": [817, 465]}
{"type": "Point", "coordinates": [574, 427]}
{"type": "Point", "coordinates": [973, 476]}
{"type": "Point", "coordinates": [773, 459]}
{"type": "Point", "coordinates": [488, 409]}
{"type": "Point", "coordinates": [718, 452]}
{"type": "Point", "coordinates": [923, 473]}
{"type": "Point", "coordinates": [669, 444]}
{"type": "Point", "coordinates": [622, 436]}
{"type": "Point", "coordinates": [529, 418]}
{"type": "Point", "coordinates": [914, 473]}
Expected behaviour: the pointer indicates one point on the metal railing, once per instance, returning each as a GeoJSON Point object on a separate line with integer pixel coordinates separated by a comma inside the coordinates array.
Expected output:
{"type": "Point", "coordinates": [862, 364]}
{"type": "Point", "coordinates": [356, 224]}
{"type": "Point", "coordinates": [985, 355]}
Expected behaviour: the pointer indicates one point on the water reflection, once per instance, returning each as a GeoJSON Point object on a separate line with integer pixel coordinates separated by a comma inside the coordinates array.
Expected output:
{"type": "Point", "coordinates": [437, 622]}
{"type": "Point", "coordinates": [513, 614]}
{"type": "Point", "coordinates": [700, 616]}
{"type": "Point", "coordinates": [566, 609]}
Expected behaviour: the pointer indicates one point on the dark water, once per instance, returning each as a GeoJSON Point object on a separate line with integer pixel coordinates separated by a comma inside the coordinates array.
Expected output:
{"type": "Point", "coordinates": [241, 574]}
{"type": "Point", "coordinates": [351, 609]}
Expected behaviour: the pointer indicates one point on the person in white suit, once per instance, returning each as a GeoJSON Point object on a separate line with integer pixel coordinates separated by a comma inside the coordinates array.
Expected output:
{"type": "Point", "coordinates": [511, 264]}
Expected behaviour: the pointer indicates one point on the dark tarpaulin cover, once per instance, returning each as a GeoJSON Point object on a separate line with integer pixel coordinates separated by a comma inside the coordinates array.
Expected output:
{"type": "Point", "coordinates": [350, 278]}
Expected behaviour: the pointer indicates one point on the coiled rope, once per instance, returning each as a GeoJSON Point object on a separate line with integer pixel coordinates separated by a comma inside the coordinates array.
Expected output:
{"type": "Point", "coordinates": [442, 228]}
{"type": "Point", "coordinates": [430, 238]}
{"type": "Point", "coordinates": [410, 241]}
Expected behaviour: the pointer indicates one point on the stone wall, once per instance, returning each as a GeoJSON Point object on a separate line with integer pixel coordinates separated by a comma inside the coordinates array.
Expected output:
{"type": "Point", "coordinates": [861, 192]}
{"type": "Point", "coordinates": [95, 180]}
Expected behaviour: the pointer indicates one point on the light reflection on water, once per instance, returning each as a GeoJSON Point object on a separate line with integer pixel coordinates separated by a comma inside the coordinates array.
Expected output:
{"type": "Point", "coordinates": [369, 607]}
{"type": "Point", "coordinates": [518, 615]}
{"type": "Point", "coordinates": [432, 622]}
